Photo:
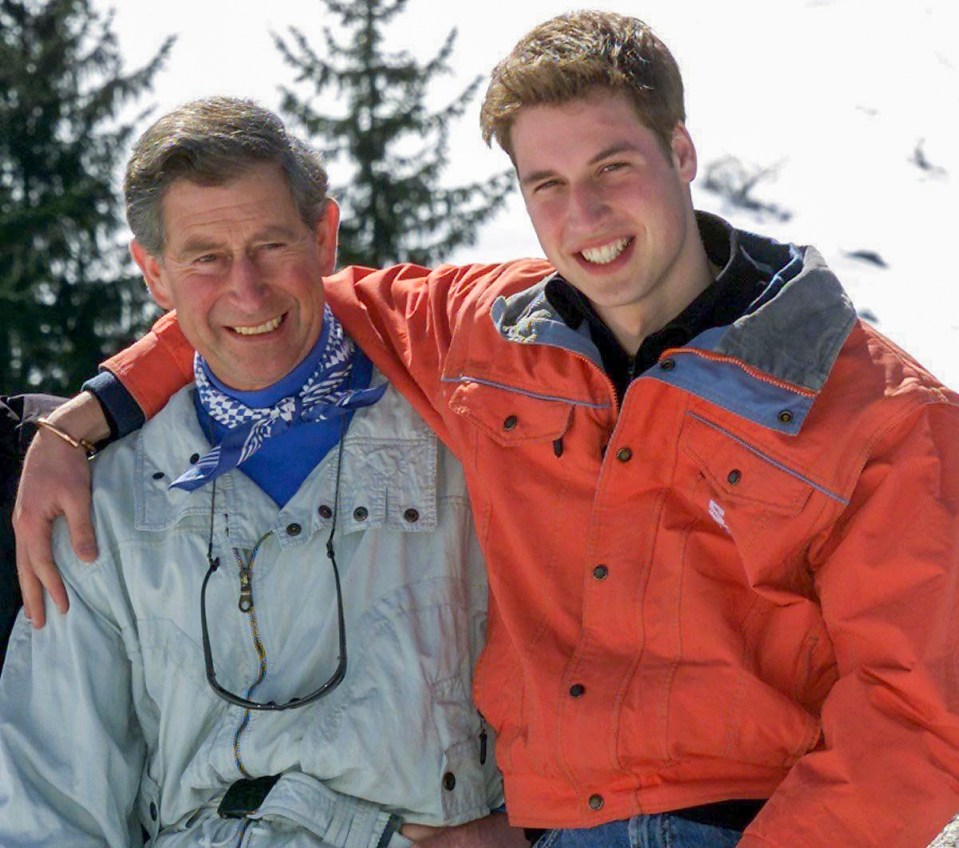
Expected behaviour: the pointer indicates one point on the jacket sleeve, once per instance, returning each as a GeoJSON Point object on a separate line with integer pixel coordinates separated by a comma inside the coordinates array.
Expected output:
{"type": "Point", "coordinates": [71, 753]}
{"type": "Point", "coordinates": [887, 771]}
{"type": "Point", "coordinates": [405, 319]}
{"type": "Point", "coordinates": [156, 366]}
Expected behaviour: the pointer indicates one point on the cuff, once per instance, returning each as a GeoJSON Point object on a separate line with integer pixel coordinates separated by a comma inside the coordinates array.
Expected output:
{"type": "Point", "coordinates": [121, 410]}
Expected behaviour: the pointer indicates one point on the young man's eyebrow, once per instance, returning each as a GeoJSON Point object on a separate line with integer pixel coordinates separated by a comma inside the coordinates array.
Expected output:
{"type": "Point", "coordinates": [605, 153]}
{"type": "Point", "coordinates": [615, 150]}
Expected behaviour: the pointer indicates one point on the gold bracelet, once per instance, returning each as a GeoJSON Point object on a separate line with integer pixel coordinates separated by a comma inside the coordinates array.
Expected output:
{"type": "Point", "coordinates": [74, 443]}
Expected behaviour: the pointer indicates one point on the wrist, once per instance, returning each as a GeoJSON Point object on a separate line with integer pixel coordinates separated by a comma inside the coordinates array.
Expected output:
{"type": "Point", "coordinates": [81, 418]}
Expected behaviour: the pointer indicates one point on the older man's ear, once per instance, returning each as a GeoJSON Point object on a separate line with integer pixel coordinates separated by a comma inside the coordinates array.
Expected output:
{"type": "Point", "coordinates": [151, 269]}
{"type": "Point", "coordinates": [326, 229]}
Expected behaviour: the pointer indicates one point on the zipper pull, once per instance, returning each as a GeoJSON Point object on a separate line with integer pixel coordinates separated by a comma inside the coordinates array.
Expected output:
{"type": "Point", "coordinates": [246, 589]}
{"type": "Point", "coordinates": [482, 739]}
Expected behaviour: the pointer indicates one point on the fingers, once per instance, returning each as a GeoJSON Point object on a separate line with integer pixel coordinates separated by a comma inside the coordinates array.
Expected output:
{"type": "Point", "coordinates": [55, 481]}
{"type": "Point", "coordinates": [32, 591]}
{"type": "Point", "coordinates": [420, 832]}
{"type": "Point", "coordinates": [36, 570]}
{"type": "Point", "coordinates": [77, 510]}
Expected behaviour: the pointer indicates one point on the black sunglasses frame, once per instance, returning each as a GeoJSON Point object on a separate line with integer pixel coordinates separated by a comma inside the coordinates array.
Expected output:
{"type": "Point", "coordinates": [338, 674]}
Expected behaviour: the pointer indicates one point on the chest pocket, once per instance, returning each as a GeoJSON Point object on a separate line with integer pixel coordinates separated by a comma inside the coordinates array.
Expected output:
{"type": "Point", "coordinates": [509, 417]}
{"type": "Point", "coordinates": [389, 484]}
{"type": "Point", "coordinates": [741, 476]}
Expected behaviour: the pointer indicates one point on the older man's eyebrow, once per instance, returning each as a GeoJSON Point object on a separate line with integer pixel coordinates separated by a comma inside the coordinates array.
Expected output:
{"type": "Point", "coordinates": [202, 244]}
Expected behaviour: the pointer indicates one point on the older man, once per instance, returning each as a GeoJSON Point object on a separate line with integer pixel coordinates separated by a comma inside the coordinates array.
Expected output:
{"type": "Point", "coordinates": [720, 513]}
{"type": "Point", "coordinates": [275, 644]}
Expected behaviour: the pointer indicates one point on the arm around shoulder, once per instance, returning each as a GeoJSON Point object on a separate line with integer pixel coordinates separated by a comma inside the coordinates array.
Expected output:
{"type": "Point", "coordinates": [55, 481]}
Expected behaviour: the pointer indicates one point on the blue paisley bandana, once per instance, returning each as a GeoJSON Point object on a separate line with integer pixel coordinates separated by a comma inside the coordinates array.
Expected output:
{"type": "Point", "coordinates": [324, 395]}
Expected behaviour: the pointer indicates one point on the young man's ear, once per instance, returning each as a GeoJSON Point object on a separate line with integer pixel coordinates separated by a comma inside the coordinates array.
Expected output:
{"type": "Point", "coordinates": [149, 266]}
{"type": "Point", "coordinates": [326, 229]}
{"type": "Point", "coordinates": [684, 152]}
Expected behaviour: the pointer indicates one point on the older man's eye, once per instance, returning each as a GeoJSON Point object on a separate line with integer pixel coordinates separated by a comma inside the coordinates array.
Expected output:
{"type": "Point", "coordinates": [545, 185]}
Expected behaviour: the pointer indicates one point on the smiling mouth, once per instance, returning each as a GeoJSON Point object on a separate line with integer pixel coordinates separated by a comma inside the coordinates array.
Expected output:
{"type": "Point", "coordinates": [259, 329]}
{"type": "Point", "coordinates": [606, 253]}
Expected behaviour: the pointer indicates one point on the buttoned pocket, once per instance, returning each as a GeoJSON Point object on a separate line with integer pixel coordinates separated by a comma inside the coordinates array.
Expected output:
{"type": "Point", "coordinates": [741, 473]}
{"type": "Point", "coordinates": [511, 417]}
{"type": "Point", "coordinates": [389, 483]}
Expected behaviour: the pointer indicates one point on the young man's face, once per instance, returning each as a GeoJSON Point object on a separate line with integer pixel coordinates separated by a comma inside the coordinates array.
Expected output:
{"type": "Point", "coordinates": [244, 273]}
{"type": "Point", "coordinates": [611, 211]}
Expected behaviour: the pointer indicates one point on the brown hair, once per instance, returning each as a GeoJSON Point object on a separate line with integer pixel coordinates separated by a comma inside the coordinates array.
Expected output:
{"type": "Point", "coordinates": [573, 55]}
{"type": "Point", "coordinates": [211, 142]}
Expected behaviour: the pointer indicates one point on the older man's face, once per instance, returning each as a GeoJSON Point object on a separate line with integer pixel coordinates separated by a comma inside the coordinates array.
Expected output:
{"type": "Point", "coordinates": [244, 273]}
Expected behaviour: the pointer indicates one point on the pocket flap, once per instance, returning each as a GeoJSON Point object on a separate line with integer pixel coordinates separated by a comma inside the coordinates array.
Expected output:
{"type": "Point", "coordinates": [511, 417]}
{"type": "Point", "coordinates": [743, 472]}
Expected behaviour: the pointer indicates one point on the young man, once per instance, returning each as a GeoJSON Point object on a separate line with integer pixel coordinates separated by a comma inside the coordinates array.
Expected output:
{"type": "Point", "coordinates": [720, 513]}
{"type": "Point", "coordinates": [275, 644]}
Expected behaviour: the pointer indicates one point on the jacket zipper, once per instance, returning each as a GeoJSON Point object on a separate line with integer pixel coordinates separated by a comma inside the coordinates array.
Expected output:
{"type": "Point", "coordinates": [247, 606]}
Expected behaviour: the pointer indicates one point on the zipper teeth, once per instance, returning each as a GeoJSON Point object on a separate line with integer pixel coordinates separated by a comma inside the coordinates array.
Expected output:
{"type": "Point", "coordinates": [749, 369]}
{"type": "Point", "coordinates": [257, 646]}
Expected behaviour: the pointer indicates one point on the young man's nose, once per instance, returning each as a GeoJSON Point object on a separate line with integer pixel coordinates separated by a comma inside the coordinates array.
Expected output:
{"type": "Point", "coordinates": [587, 205]}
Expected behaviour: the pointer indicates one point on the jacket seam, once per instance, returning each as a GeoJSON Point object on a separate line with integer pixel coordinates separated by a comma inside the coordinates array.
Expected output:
{"type": "Point", "coordinates": [466, 378]}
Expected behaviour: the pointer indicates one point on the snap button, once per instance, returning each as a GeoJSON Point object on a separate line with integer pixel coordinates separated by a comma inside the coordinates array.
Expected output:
{"type": "Point", "coordinates": [510, 422]}
{"type": "Point", "coordinates": [158, 475]}
{"type": "Point", "coordinates": [194, 459]}
{"type": "Point", "coordinates": [785, 417]}
{"type": "Point", "coordinates": [293, 529]}
{"type": "Point", "coordinates": [361, 513]}
{"type": "Point", "coordinates": [666, 365]}
{"type": "Point", "coordinates": [600, 572]}
{"type": "Point", "coordinates": [411, 515]}
{"type": "Point", "coordinates": [449, 781]}
{"type": "Point", "coordinates": [734, 476]}
{"type": "Point", "coordinates": [577, 690]}
{"type": "Point", "coordinates": [624, 454]}
{"type": "Point", "coordinates": [325, 511]}
{"type": "Point", "coordinates": [596, 802]}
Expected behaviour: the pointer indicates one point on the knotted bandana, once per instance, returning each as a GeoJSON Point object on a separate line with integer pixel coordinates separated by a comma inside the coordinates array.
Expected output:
{"type": "Point", "coordinates": [324, 395]}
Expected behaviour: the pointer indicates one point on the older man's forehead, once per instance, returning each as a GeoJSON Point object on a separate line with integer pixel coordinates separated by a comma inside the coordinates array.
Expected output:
{"type": "Point", "coordinates": [257, 205]}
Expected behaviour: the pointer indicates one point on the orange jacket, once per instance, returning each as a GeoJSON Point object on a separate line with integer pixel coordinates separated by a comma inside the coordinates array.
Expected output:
{"type": "Point", "coordinates": [743, 583]}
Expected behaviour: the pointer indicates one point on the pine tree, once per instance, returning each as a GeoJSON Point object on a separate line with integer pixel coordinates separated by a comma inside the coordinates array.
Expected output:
{"type": "Point", "coordinates": [67, 295]}
{"type": "Point", "coordinates": [393, 206]}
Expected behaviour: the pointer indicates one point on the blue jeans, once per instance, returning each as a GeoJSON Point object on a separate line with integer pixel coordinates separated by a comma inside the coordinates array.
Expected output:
{"type": "Point", "coordinates": [660, 830]}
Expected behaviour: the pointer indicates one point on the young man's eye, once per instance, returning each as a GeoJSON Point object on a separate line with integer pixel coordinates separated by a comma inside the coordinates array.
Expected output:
{"type": "Point", "coordinates": [610, 167]}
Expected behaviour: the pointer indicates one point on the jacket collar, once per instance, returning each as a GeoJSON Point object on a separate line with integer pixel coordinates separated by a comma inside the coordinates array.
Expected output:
{"type": "Point", "coordinates": [792, 332]}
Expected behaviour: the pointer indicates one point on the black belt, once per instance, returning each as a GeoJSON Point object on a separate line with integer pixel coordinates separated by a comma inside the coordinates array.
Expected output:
{"type": "Point", "coordinates": [731, 815]}
{"type": "Point", "coordinates": [245, 796]}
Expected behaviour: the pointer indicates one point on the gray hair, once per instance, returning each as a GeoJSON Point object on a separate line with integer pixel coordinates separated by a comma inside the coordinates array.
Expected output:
{"type": "Point", "coordinates": [211, 142]}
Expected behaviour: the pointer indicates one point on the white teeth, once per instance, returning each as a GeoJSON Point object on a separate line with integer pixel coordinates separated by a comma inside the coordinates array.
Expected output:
{"type": "Point", "coordinates": [270, 325]}
{"type": "Point", "coordinates": [605, 254]}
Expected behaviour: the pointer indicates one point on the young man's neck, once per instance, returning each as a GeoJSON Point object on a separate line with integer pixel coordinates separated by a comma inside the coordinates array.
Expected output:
{"type": "Point", "coordinates": [631, 325]}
